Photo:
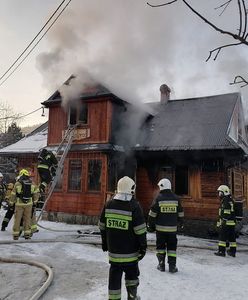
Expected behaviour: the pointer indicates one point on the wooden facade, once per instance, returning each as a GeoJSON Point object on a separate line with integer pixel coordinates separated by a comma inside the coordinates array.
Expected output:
{"type": "Point", "coordinates": [103, 150]}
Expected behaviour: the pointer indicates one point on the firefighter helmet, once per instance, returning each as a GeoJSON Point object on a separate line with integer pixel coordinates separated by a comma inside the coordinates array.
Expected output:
{"type": "Point", "coordinates": [164, 184]}
{"type": "Point", "coordinates": [224, 189]}
{"type": "Point", "coordinates": [1, 175]}
{"type": "Point", "coordinates": [24, 172]}
{"type": "Point", "coordinates": [126, 185]}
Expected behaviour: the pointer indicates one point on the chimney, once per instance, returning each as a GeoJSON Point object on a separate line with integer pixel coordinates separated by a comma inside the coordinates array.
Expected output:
{"type": "Point", "coordinates": [165, 93]}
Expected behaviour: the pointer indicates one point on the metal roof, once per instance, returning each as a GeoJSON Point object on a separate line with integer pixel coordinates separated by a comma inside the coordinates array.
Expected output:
{"type": "Point", "coordinates": [190, 124]}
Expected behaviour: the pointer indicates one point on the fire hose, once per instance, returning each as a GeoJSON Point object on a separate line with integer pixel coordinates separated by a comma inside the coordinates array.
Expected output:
{"type": "Point", "coordinates": [46, 268]}
{"type": "Point", "coordinates": [94, 241]}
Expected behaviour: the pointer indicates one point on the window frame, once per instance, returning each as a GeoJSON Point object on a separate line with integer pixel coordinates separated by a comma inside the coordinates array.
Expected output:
{"type": "Point", "coordinates": [100, 177]}
{"type": "Point", "coordinates": [70, 176]}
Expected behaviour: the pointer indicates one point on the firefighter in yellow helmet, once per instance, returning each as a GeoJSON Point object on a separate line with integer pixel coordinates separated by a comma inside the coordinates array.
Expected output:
{"type": "Point", "coordinates": [226, 222]}
{"type": "Point", "coordinates": [23, 196]}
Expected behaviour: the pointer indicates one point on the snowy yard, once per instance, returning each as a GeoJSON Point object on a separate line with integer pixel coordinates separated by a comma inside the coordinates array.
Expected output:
{"type": "Point", "coordinates": [81, 270]}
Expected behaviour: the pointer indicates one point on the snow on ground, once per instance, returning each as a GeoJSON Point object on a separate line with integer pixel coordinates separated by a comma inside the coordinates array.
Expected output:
{"type": "Point", "coordinates": [81, 270]}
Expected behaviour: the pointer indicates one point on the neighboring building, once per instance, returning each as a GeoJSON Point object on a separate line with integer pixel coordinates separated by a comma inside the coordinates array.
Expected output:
{"type": "Point", "coordinates": [26, 150]}
{"type": "Point", "coordinates": [198, 143]}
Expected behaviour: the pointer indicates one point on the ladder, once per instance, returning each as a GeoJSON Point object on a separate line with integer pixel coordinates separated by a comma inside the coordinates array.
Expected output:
{"type": "Point", "coordinates": [61, 154]}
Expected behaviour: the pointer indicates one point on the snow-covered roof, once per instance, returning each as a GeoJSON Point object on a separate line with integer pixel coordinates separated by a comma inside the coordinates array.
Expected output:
{"type": "Point", "coordinates": [31, 143]}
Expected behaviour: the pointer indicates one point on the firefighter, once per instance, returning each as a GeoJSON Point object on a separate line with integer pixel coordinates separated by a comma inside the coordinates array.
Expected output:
{"type": "Point", "coordinates": [165, 215]}
{"type": "Point", "coordinates": [23, 196]}
{"type": "Point", "coordinates": [11, 209]}
{"type": "Point", "coordinates": [226, 223]}
{"type": "Point", "coordinates": [123, 232]}
{"type": "Point", "coordinates": [2, 189]}
{"type": "Point", "coordinates": [47, 165]}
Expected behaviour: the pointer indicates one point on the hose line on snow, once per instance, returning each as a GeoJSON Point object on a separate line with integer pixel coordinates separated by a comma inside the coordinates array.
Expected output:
{"type": "Point", "coordinates": [40, 265]}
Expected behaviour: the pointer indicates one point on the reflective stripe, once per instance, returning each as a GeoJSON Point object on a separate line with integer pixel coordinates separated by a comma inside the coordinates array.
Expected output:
{"type": "Point", "coordinates": [181, 214]}
{"type": "Point", "coordinates": [227, 211]}
{"type": "Point", "coordinates": [43, 166]}
{"type": "Point", "coordinates": [120, 258]}
{"type": "Point", "coordinates": [114, 294]}
{"type": "Point", "coordinates": [222, 243]}
{"type": "Point", "coordinates": [152, 214]}
{"type": "Point", "coordinates": [118, 211]}
{"type": "Point", "coordinates": [166, 228]}
{"type": "Point", "coordinates": [161, 251]}
{"type": "Point", "coordinates": [230, 223]}
{"type": "Point", "coordinates": [117, 216]}
{"type": "Point", "coordinates": [171, 253]}
{"type": "Point", "coordinates": [169, 203]}
{"type": "Point", "coordinates": [134, 282]}
{"type": "Point", "coordinates": [233, 244]}
{"type": "Point", "coordinates": [140, 229]}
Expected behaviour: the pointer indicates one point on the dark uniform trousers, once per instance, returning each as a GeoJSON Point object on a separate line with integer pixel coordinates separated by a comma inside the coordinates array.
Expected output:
{"type": "Point", "coordinates": [227, 234]}
{"type": "Point", "coordinates": [115, 275]}
{"type": "Point", "coordinates": [167, 241]}
{"type": "Point", "coordinates": [9, 214]}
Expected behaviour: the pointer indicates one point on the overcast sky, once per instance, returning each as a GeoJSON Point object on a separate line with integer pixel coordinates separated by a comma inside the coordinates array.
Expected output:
{"type": "Point", "coordinates": [126, 45]}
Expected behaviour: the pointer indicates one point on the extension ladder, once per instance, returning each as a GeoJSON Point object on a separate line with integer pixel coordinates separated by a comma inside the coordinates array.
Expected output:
{"type": "Point", "coordinates": [61, 154]}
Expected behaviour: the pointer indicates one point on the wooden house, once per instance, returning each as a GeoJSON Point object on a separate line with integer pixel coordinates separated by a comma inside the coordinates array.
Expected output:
{"type": "Point", "coordinates": [197, 143]}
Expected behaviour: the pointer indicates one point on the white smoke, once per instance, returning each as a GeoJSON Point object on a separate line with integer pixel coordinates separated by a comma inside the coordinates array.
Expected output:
{"type": "Point", "coordinates": [132, 49]}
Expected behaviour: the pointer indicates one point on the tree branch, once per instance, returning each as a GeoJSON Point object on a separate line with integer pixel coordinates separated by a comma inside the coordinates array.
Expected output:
{"type": "Point", "coordinates": [163, 4]}
{"type": "Point", "coordinates": [239, 79]}
{"type": "Point", "coordinates": [225, 5]}
{"type": "Point", "coordinates": [218, 49]}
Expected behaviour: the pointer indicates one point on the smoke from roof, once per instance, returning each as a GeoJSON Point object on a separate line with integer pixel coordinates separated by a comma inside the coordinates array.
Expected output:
{"type": "Point", "coordinates": [132, 49]}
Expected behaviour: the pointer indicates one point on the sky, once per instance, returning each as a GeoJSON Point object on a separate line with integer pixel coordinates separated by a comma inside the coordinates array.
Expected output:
{"type": "Point", "coordinates": [127, 46]}
{"type": "Point", "coordinates": [81, 270]}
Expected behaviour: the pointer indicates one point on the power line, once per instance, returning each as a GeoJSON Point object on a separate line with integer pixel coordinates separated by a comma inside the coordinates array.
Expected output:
{"type": "Point", "coordinates": [22, 116]}
{"type": "Point", "coordinates": [32, 42]}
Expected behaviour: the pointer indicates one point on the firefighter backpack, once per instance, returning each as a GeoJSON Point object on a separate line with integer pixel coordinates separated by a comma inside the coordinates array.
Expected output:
{"type": "Point", "coordinates": [26, 193]}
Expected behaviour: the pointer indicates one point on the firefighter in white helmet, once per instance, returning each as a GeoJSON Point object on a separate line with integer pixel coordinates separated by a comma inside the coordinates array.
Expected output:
{"type": "Point", "coordinates": [123, 232]}
{"type": "Point", "coordinates": [226, 223]}
{"type": "Point", "coordinates": [165, 214]}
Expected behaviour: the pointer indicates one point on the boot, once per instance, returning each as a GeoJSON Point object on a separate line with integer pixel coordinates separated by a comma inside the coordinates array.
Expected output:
{"type": "Point", "coordinates": [230, 253]}
{"type": "Point", "coordinates": [219, 253]}
{"type": "Point", "coordinates": [3, 228]}
{"type": "Point", "coordinates": [173, 268]}
{"type": "Point", "coordinates": [161, 262]}
{"type": "Point", "coordinates": [132, 293]}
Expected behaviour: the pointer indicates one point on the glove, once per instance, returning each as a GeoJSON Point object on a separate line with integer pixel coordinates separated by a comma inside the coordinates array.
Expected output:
{"type": "Point", "coordinates": [142, 253]}
{"type": "Point", "coordinates": [181, 226]}
{"type": "Point", "coordinates": [150, 229]}
{"type": "Point", "coordinates": [104, 247]}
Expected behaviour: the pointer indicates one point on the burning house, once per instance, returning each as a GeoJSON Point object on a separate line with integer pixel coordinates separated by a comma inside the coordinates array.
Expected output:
{"type": "Point", "coordinates": [197, 143]}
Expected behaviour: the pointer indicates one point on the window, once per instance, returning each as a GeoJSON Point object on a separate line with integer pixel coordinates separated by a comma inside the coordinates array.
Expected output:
{"type": "Point", "coordinates": [181, 181]}
{"type": "Point", "coordinates": [74, 175]}
{"type": "Point", "coordinates": [94, 174]}
{"type": "Point", "coordinates": [78, 115]}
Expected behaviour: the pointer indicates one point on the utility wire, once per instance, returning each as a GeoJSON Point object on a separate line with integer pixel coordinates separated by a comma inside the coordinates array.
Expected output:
{"type": "Point", "coordinates": [22, 116]}
{"type": "Point", "coordinates": [35, 44]}
{"type": "Point", "coordinates": [32, 41]}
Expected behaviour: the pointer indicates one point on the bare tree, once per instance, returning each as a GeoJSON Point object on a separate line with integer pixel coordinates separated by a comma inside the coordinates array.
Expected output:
{"type": "Point", "coordinates": [240, 35]}
{"type": "Point", "coordinates": [7, 117]}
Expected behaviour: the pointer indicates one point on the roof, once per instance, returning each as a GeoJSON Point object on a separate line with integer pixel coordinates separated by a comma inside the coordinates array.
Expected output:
{"type": "Point", "coordinates": [190, 124]}
{"type": "Point", "coordinates": [30, 144]}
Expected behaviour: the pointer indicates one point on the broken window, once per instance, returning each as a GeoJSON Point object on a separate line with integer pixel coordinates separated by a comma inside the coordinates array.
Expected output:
{"type": "Point", "coordinates": [78, 115]}
{"type": "Point", "coordinates": [74, 175]}
{"type": "Point", "coordinates": [94, 174]}
{"type": "Point", "coordinates": [181, 181]}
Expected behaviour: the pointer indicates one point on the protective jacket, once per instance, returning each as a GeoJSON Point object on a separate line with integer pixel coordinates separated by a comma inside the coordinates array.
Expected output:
{"type": "Point", "coordinates": [123, 230]}
{"type": "Point", "coordinates": [47, 160]}
{"type": "Point", "coordinates": [226, 212]}
{"type": "Point", "coordinates": [2, 191]}
{"type": "Point", "coordinates": [165, 213]}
